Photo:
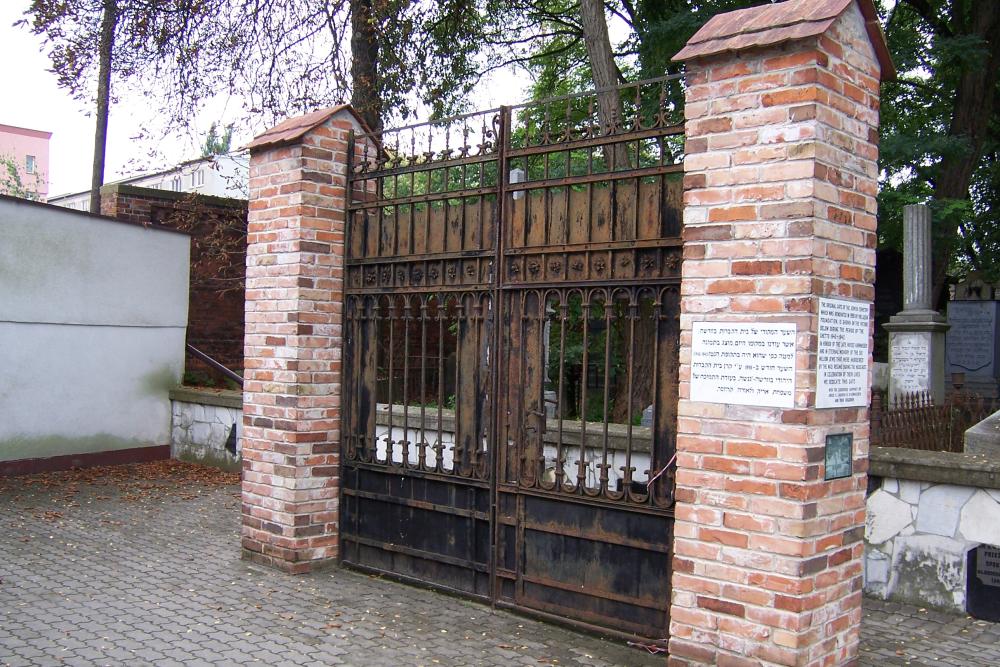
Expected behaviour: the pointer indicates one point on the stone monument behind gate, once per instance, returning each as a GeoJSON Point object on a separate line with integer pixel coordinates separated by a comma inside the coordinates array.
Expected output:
{"type": "Point", "coordinates": [973, 341]}
{"type": "Point", "coordinates": [917, 333]}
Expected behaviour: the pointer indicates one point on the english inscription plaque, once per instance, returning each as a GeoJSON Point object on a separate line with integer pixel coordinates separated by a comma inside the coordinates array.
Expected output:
{"type": "Point", "coordinates": [743, 364]}
{"type": "Point", "coordinates": [842, 353]}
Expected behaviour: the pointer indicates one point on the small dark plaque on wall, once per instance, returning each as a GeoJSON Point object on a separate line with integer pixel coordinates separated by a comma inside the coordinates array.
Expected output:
{"type": "Point", "coordinates": [839, 455]}
{"type": "Point", "coordinates": [983, 589]}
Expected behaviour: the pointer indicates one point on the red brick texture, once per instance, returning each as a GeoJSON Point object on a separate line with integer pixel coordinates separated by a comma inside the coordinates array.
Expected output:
{"type": "Point", "coordinates": [780, 186]}
{"type": "Point", "coordinates": [292, 390]}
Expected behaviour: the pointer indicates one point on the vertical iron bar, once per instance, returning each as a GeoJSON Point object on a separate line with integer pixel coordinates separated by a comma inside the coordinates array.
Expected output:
{"type": "Point", "coordinates": [581, 477]}
{"type": "Point", "coordinates": [563, 319]}
{"type": "Point", "coordinates": [422, 446]}
{"type": "Point", "coordinates": [442, 313]}
{"type": "Point", "coordinates": [390, 444]}
{"type": "Point", "coordinates": [609, 305]}
{"type": "Point", "coordinates": [495, 356]}
{"type": "Point", "coordinates": [633, 311]}
{"type": "Point", "coordinates": [407, 316]}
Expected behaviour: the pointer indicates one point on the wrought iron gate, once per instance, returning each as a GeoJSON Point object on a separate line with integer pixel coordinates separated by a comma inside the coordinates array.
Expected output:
{"type": "Point", "coordinates": [510, 361]}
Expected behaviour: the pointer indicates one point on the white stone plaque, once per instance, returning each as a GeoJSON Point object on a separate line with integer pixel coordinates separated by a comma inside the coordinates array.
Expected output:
{"type": "Point", "coordinates": [988, 565]}
{"type": "Point", "coordinates": [842, 354]}
{"type": "Point", "coordinates": [743, 364]}
{"type": "Point", "coordinates": [909, 362]}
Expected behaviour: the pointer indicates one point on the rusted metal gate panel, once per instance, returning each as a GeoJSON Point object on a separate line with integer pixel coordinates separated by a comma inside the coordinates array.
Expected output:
{"type": "Point", "coordinates": [512, 300]}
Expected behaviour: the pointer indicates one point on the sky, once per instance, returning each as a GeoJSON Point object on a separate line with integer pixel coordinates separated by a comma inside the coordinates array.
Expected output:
{"type": "Point", "coordinates": [33, 99]}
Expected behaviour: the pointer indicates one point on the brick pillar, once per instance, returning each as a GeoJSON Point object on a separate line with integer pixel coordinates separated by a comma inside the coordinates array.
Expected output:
{"type": "Point", "coordinates": [780, 185]}
{"type": "Point", "coordinates": [294, 288]}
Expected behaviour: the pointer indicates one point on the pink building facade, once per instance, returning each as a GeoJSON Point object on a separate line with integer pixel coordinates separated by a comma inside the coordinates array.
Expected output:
{"type": "Point", "coordinates": [29, 149]}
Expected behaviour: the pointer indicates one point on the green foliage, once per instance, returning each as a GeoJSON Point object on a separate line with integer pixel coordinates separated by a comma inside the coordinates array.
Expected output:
{"type": "Point", "coordinates": [11, 182]}
{"type": "Point", "coordinates": [216, 144]}
{"type": "Point", "coordinates": [587, 332]}
{"type": "Point", "coordinates": [934, 45]}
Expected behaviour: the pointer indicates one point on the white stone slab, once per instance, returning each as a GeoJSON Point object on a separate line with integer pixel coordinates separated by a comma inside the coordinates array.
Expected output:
{"type": "Point", "coordinates": [980, 520]}
{"type": "Point", "coordinates": [940, 506]}
{"type": "Point", "coordinates": [909, 362]}
{"type": "Point", "coordinates": [929, 570]}
{"type": "Point", "coordinates": [909, 491]}
{"type": "Point", "coordinates": [887, 516]}
{"type": "Point", "coordinates": [743, 364]}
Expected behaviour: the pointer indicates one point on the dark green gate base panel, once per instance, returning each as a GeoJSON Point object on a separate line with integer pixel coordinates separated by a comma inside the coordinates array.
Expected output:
{"type": "Point", "coordinates": [429, 528]}
{"type": "Point", "coordinates": [600, 565]}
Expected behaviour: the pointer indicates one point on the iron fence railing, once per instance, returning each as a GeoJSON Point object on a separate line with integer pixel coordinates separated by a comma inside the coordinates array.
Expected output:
{"type": "Point", "coordinates": [914, 421]}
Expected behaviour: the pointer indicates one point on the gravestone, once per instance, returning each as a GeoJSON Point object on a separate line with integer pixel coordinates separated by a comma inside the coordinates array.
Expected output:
{"type": "Point", "coordinates": [983, 583]}
{"type": "Point", "coordinates": [973, 342]}
{"type": "Point", "coordinates": [917, 333]}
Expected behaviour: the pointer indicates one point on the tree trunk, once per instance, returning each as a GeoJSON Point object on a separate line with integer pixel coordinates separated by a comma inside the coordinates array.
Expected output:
{"type": "Point", "coordinates": [605, 71]}
{"type": "Point", "coordinates": [973, 109]}
{"type": "Point", "coordinates": [638, 357]}
{"type": "Point", "coordinates": [106, 47]}
{"type": "Point", "coordinates": [365, 95]}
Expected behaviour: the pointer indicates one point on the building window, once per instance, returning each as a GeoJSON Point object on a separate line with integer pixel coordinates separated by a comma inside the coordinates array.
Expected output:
{"type": "Point", "coordinates": [197, 178]}
{"type": "Point", "coordinates": [29, 163]}
{"type": "Point", "coordinates": [175, 184]}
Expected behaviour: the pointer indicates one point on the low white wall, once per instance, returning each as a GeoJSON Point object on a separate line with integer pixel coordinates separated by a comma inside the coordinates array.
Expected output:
{"type": "Point", "coordinates": [918, 535]}
{"type": "Point", "coordinates": [92, 321]}
{"type": "Point", "coordinates": [202, 420]}
{"type": "Point", "coordinates": [593, 454]}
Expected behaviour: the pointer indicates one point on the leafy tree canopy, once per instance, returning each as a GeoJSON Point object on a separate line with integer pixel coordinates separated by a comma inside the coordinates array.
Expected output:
{"type": "Point", "coordinates": [215, 143]}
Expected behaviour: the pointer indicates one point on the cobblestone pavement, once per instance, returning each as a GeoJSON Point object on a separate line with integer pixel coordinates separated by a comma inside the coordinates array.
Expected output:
{"type": "Point", "coordinates": [141, 566]}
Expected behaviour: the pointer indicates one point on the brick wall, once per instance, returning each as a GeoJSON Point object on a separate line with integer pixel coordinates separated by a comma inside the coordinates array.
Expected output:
{"type": "Point", "coordinates": [780, 180]}
{"type": "Point", "coordinates": [292, 392]}
{"type": "Point", "coordinates": [218, 257]}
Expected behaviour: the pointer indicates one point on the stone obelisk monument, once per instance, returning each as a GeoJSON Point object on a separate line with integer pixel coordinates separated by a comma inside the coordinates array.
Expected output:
{"type": "Point", "coordinates": [917, 333]}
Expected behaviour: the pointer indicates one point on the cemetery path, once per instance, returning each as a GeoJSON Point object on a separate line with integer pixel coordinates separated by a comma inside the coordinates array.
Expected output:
{"type": "Point", "coordinates": [140, 565]}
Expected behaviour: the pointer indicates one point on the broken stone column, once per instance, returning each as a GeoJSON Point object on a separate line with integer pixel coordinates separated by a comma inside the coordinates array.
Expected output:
{"type": "Point", "coordinates": [917, 333]}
